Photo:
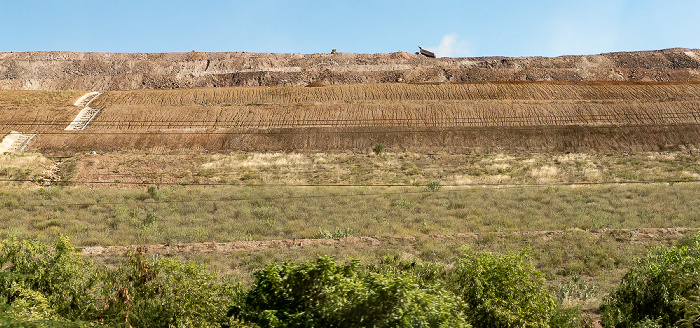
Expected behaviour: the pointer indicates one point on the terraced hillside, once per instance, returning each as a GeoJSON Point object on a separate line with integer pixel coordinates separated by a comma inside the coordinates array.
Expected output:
{"type": "Point", "coordinates": [466, 117]}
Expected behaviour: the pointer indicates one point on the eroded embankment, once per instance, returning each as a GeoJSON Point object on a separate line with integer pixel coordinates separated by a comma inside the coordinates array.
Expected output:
{"type": "Point", "coordinates": [124, 71]}
{"type": "Point", "coordinates": [482, 117]}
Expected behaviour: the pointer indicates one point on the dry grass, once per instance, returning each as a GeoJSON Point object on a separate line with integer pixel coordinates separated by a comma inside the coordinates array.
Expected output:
{"type": "Point", "coordinates": [136, 169]}
{"type": "Point", "coordinates": [234, 213]}
{"type": "Point", "coordinates": [35, 98]}
{"type": "Point", "coordinates": [37, 111]}
{"type": "Point", "coordinates": [23, 169]}
{"type": "Point", "coordinates": [394, 168]}
{"type": "Point", "coordinates": [402, 92]}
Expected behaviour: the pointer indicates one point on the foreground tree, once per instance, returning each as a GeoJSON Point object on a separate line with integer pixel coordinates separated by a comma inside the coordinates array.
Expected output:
{"type": "Point", "coordinates": [57, 287]}
{"type": "Point", "coordinates": [38, 283]}
{"type": "Point", "coordinates": [326, 294]}
{"type": "Point", "coordinates": [662, 290]}
{"type": "Point", "coordinates": [503, 290]}
{"type": "Point", "coordinates": [164, 293]}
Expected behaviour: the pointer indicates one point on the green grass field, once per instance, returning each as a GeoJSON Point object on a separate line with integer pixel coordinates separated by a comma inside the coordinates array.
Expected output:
{"type": "Point", "coordinates": [182, 214]}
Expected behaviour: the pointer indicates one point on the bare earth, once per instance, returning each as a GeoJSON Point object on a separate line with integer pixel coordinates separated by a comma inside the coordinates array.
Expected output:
{"type": "Point", "coordinates": [125, 71]}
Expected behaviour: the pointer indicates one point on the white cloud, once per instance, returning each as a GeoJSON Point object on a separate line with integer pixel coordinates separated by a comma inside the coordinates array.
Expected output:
{"type": "Point", "coordinates": [451, 46]}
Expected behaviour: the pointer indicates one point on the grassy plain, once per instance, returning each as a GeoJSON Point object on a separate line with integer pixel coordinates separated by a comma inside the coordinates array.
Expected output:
{"type": "Point", "coordinates": [235, 213]}
{"type": "Point", "coordinates": [178, 197]}
{"type": "Point", "coordinates": [499, 200]}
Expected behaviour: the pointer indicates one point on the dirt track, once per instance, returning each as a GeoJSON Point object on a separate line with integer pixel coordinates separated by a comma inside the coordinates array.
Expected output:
{"type": "Point", "coordinates": [637, 236]}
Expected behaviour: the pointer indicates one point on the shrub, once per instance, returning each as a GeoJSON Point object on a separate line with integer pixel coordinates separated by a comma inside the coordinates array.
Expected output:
{"type": "Point", "coordinates": [378, 149]}
{"type": "Point", "coordinates": [570, 318]}
{"type": "Point", "coordinates": [662, 289]}
{"type": "Point", "coordinates": [164, 293]}
{"type": "Point", "coordinates": [153, 193]}
{"type": "Point", "coordinates": [327, 294]}
{"type": "Point", "coordinates": [575, 290]}
{"type": "Point", "coordinates": [434, 185]}
{"type": "Point", "coordinates": [46, 283]}
{"type": "Point", "coordinates": [339, 233]}
{"type": "Point", "coordinates": [502, 290]}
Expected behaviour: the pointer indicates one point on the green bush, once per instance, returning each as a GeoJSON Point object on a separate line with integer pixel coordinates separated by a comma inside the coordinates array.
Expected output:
{"type": "Point", "coordinates": [662, 290]}
{"type": "Point", "coordinates": [326, 294]}
{"type": "Point", "coordinates": [9, 318]}
{"type": "Point", "coordinates": [569, 318]}
{"type": "Point", "coordinates": [434, 185]}
{"type": "Point", "coordinates": [164, 293]}
{"type": "Point", "coordinates": [503, 290]}
{"type": "Point", "coordinates": [378, 149]}
{"type": "Point", "coordinates": [44, 287]}
{"type": "Point", "coordinates": [46, 284]}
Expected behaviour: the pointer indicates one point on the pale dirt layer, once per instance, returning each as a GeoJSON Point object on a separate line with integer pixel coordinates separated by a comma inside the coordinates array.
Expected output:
{"type": "Point", "coordinates": [637, 236]}
{"type": "Point", "coordinates": [124, 71]}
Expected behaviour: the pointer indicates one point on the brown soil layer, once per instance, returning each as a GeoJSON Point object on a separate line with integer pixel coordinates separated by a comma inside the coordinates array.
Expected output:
{"type": "Point", "coordinates": [458, 140]}
{"type": "Point", "coordinates": [463, 118]}
{"type": "Point", "coordinates": [124, 71]}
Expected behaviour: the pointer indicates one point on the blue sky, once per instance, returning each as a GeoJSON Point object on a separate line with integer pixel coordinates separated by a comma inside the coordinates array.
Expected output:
{"type": "Point", "coordinates": [450, 28]}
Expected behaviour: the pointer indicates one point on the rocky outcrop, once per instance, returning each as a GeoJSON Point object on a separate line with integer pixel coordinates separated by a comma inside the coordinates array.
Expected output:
{"type": "Point", "coordinates": [123, 71]}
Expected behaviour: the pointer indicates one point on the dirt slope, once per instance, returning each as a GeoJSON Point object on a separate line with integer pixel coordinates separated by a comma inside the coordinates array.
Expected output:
{"type": "Point", "coordinates": [476, 117]}
{"type": "Point", "coordinates": [122, 71]}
